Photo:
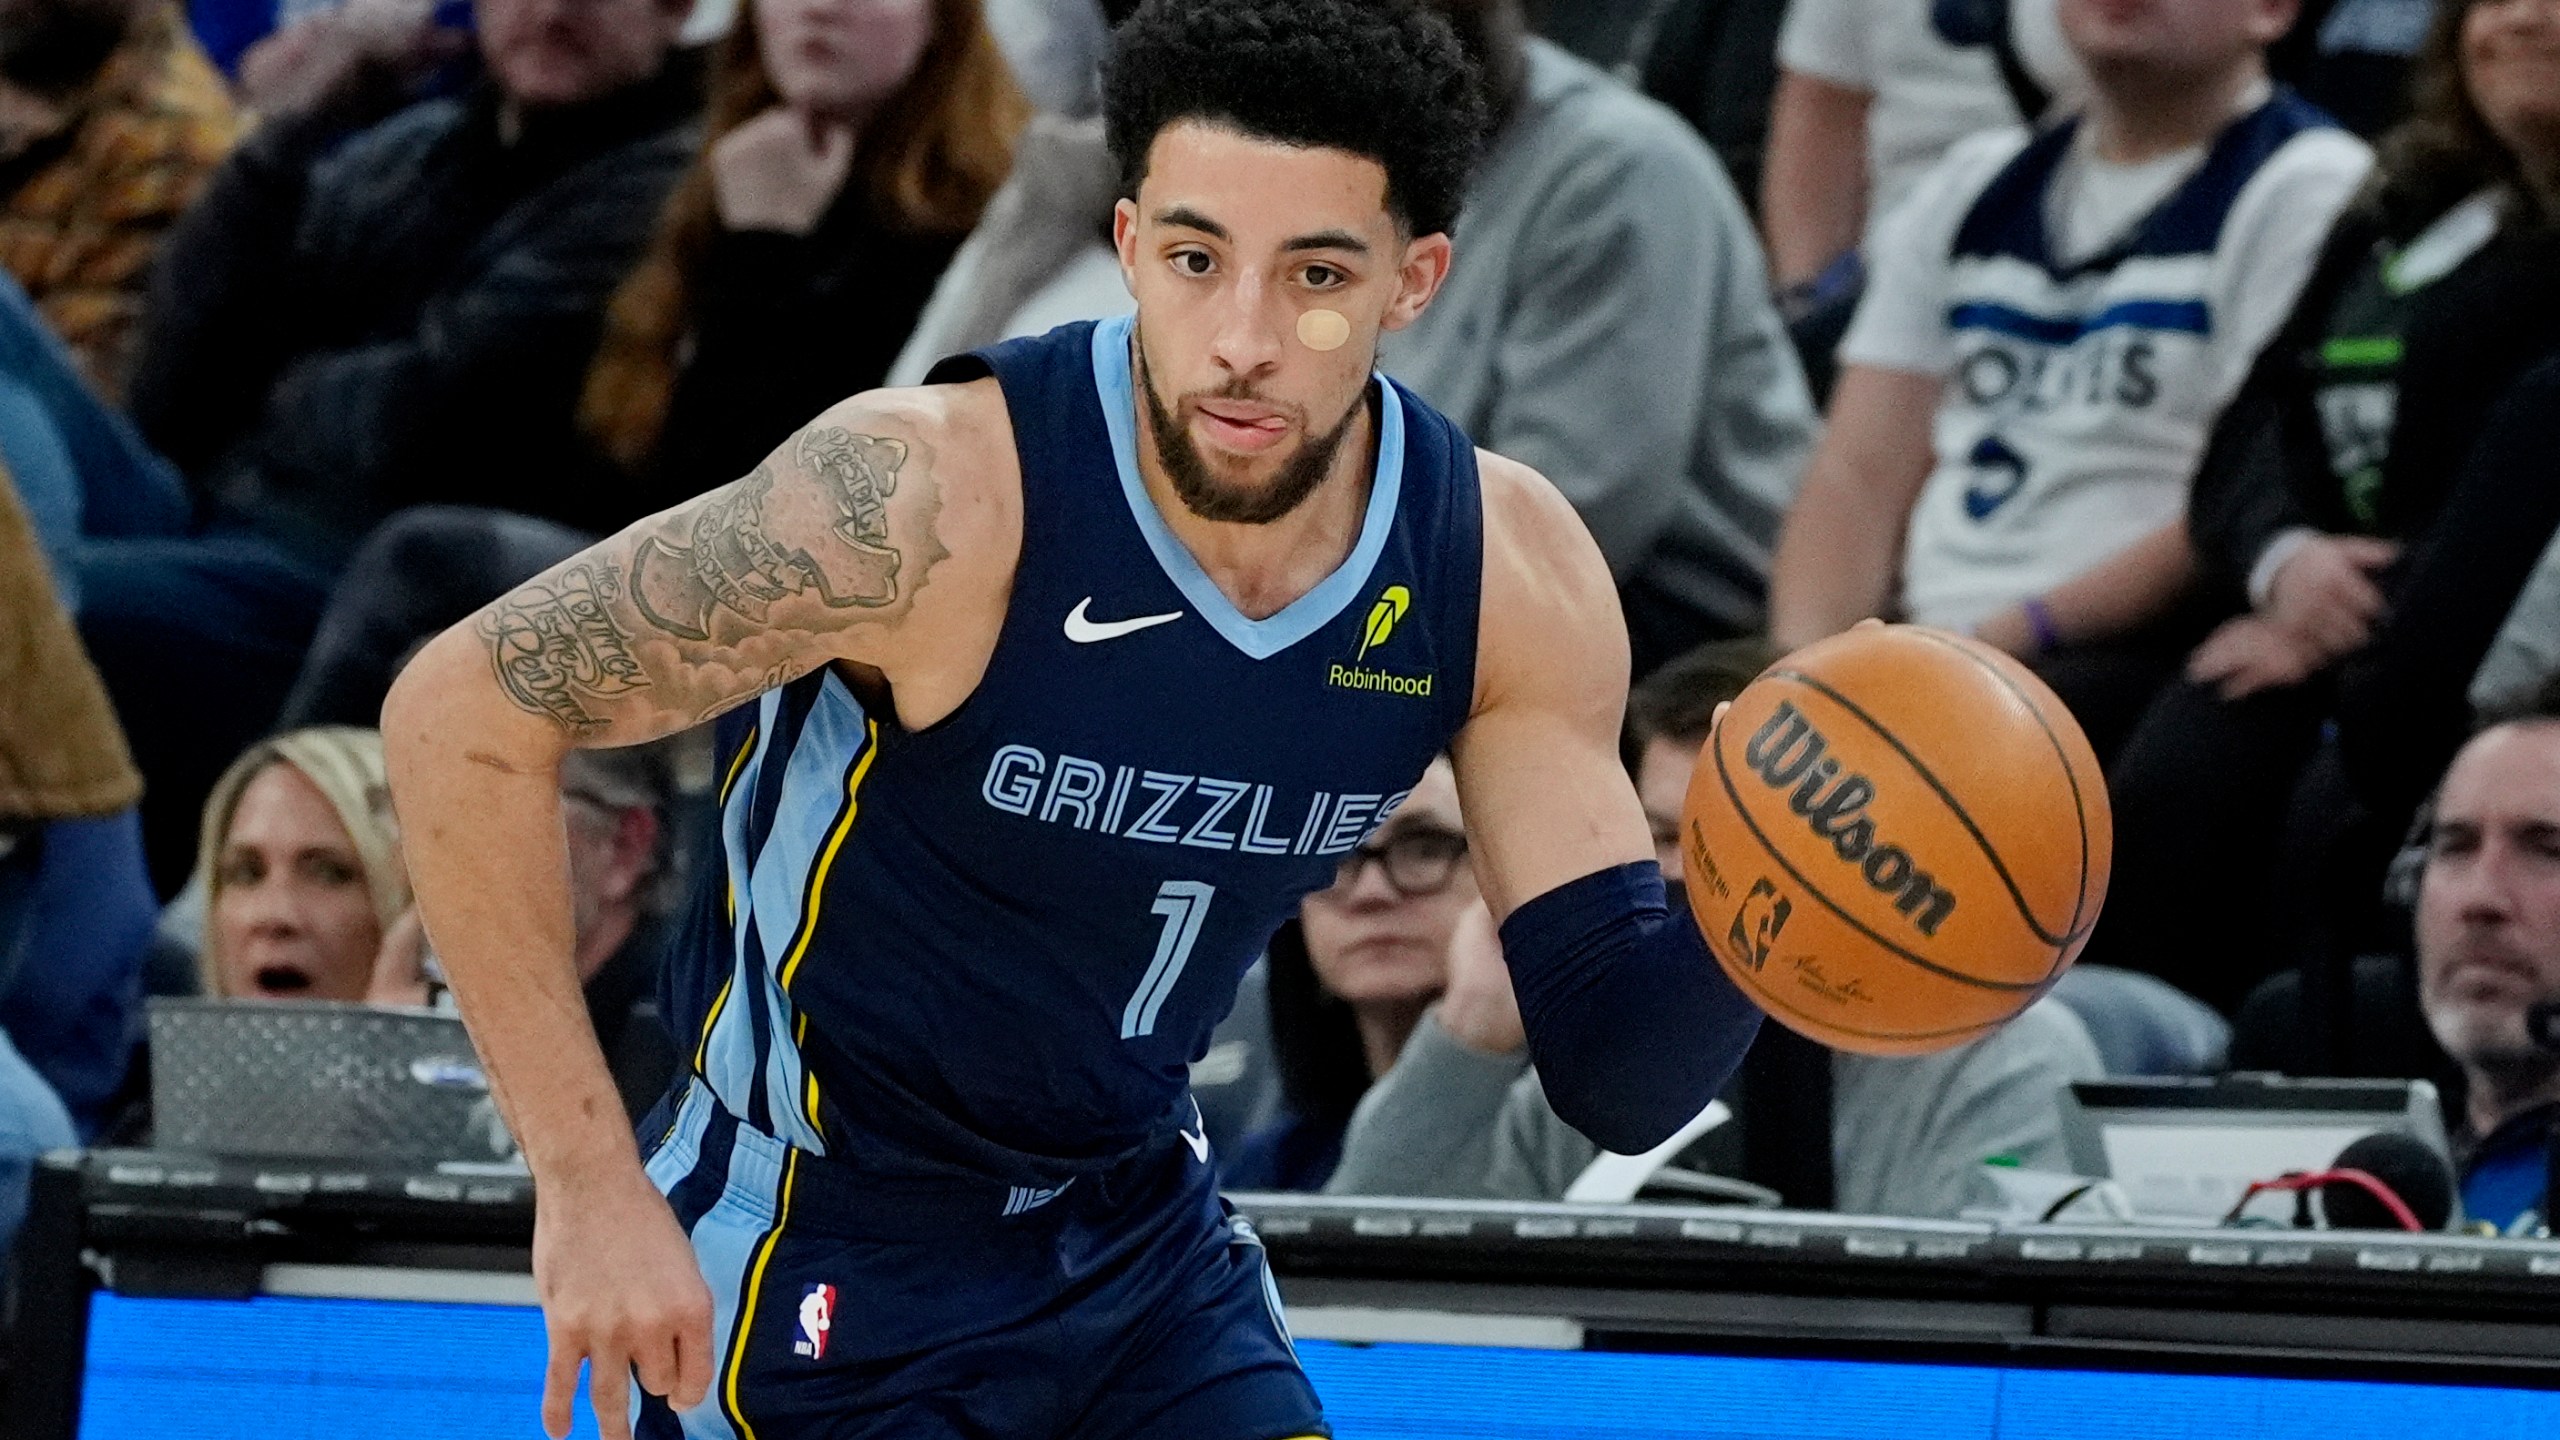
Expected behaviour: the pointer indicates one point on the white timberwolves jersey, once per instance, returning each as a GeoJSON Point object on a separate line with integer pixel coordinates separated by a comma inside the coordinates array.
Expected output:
{"type": "Point", "coordinates": [2080, 392]}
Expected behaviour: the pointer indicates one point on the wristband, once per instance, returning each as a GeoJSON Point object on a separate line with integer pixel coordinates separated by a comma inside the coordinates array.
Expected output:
{"type": "Point", "coordinates": [2040, 626]}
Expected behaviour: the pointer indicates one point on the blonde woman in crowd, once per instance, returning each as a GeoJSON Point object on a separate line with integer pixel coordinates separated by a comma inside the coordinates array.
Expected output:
{"type": "Point", "coordinates": [300, 868]}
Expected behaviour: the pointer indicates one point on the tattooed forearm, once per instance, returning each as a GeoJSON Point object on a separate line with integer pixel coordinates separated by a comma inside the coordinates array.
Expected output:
{"type": "Point", "coordinates": [729, 560]}
{"type": "Point", "coordinates": [556, 647]}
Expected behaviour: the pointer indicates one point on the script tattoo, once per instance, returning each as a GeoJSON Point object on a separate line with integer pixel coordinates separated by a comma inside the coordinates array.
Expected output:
{"type": "Point", "coordinates": [861, 473]}
{"type": "Point", "coordinates": [554, 643]}
{"type": "Point", "coordinates": [729, 561]}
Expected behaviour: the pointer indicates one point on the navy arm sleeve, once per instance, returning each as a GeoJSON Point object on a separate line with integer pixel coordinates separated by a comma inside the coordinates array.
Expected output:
{"type": "Point", "coordinates": [1633, 1025]}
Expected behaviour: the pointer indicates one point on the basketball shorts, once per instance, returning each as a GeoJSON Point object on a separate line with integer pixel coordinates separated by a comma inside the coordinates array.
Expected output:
{"type": "Point", "coordinates": [1127, 1305]}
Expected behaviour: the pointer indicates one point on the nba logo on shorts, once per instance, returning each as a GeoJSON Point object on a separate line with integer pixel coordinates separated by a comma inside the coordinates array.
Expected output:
{"type": "Point", "coordinates": [817, 1317]}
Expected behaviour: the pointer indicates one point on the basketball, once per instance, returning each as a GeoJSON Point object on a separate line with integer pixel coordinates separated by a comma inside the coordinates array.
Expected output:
{"type": "Point", "coordinates": [1897, 840]}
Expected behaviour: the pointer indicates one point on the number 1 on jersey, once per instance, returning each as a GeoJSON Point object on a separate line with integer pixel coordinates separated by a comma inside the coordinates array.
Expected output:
{"type": "Point", "coordinates": [1183, 904]}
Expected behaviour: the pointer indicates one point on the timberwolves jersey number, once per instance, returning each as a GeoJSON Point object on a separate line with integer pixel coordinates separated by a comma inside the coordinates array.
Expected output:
{"type": "Point", "coordinates": [995, 946]}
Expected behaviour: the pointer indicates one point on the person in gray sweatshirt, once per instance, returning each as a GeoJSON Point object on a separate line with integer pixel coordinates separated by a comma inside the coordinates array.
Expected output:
{"type": "Point", "coordinates": [1612, 327]}
{"type": "Point", "coordinates": [1460, 1114]}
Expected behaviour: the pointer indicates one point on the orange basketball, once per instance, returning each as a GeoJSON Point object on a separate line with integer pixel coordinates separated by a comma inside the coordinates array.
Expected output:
{"type": "Point", "coordinates": [1897, 839]}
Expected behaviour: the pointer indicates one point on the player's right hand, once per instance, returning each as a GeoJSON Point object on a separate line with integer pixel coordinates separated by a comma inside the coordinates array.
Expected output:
{"type": "Point", "coordinates": [622, 1292]}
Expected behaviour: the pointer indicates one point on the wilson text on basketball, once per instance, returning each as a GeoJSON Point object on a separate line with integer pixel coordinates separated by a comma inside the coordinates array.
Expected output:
{"type": "Point", "coordinates": [1789, 752]}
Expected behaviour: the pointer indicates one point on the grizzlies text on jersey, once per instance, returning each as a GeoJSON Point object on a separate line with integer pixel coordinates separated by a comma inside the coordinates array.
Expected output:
{"type": "Point", "coordinates": [993, 947]}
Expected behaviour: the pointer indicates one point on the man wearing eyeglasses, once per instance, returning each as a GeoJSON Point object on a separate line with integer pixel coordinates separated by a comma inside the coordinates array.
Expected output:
{"type": "Point", "coordinates": [614, 814]}
{"type": "Point", "coordinates": [1351, 979]}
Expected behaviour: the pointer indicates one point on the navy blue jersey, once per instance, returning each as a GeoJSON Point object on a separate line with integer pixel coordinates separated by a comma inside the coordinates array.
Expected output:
{"type": "Point", "coordinates": [994, 946]}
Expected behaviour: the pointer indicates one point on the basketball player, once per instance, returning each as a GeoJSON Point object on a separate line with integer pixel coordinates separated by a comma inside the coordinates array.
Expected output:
{"type": "Point", "coordinates": [1056, 685]}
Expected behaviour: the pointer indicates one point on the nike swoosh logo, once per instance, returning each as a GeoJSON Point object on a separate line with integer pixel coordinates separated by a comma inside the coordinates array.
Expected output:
{"type": "Point", "coordinates": [1086, 632]}
{"type": "Point", "coordinates": [1199, 1145]}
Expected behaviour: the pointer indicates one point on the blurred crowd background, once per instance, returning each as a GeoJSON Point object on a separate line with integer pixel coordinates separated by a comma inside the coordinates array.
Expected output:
{"type": "Point", "coordinates": [2205, 354]}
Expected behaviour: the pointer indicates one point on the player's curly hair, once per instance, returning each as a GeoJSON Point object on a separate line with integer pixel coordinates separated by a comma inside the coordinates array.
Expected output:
{"type": "Point", "coordinates": [1384, 79]}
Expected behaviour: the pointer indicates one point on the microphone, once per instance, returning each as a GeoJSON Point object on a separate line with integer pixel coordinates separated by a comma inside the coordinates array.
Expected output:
{"type": "Point", "coordinates": [2407, 1168]}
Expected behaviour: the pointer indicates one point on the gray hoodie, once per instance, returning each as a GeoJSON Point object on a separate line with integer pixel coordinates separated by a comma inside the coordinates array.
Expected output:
{"type": "Point", "coordinates": [1608, 323]}
{"type": "Point", "coordinates": [1908, 1135]}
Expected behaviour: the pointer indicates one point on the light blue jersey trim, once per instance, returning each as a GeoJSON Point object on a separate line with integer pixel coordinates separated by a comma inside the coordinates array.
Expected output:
{"type": "Point", "coordinates": [1260, 639]}
{"type": "Point", "coordinates": [830, 742]}
{"type": "Point", "coordinates": [729, 1059]}
{"type": "Point", "coordinates": [724, 1244]}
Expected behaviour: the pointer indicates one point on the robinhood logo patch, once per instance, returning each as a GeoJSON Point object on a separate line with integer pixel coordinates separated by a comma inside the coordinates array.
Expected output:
{"type": "Point", "coordinates": [1392, 604]}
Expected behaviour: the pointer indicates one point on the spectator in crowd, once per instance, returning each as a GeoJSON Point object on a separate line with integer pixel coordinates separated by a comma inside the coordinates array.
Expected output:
{"type": "Point", "coordinates": [1871, 95]}
{"type": "Point", "coordinates": [343, 327]}
{"type": "Point", "coordinates": [1042, 256]}
{"type": "Point", "coordinates": [2054, 323]}
{"type": "Point", "coordinates": [749, 371]}
{"type": "Point", "coordinates": [75, 907]}
{"type": "Point", "coordinates": [298, 880]}
{"type": "Point", "coordinates": [301, 866]}
{"type": "Point", "coordinates": [1461, 1114]}
{"type": "Point", "coordinates": [852, 146]}
{"type": "Point", "coordinates": [302, 894]}
{"type": "Point", "coordinates": [2349, 495]}
{"type": "Point", "coordinates": [619, 884]}
{"type": "Point", "coordinates": [111, 122]}
{"type": "Point", "coordinates": [2488, 930]}
{"type": "Point", "coordinates": [306, 896]}
{"type": "Point", "coordinates": [1351, 978]}
{"type": "Point", "coordinates": [1612, 327]}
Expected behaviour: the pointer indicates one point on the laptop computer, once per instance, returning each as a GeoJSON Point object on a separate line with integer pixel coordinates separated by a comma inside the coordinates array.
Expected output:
{"type": "Point", "coordinates": [320, 1080]}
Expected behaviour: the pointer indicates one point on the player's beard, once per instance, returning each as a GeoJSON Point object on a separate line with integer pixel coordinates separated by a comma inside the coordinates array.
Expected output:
{"type": "Point", "coordinates": [1204, 494]}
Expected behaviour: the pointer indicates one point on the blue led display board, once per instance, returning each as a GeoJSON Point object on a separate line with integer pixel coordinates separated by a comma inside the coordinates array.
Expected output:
{"type": "Point", "coordinates": [304, 1369]}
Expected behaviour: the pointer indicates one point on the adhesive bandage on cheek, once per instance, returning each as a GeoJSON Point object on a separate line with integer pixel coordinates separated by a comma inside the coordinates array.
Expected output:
{"type": "Point", "coordinates": [1323, 330]}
